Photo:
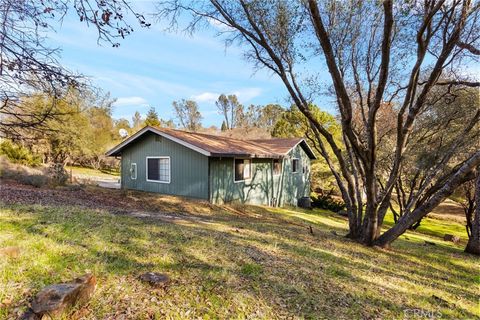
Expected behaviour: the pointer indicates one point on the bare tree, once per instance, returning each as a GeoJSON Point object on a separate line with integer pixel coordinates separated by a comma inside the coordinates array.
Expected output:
{"type": "Point", "coordinates": [473, 245]}
{"type": "Point", "coordinates": [375, 53]}
{"type": "Point", "coordinates": [188, 114]}
{"type": "Point", "coordinates": [435, 145]}
{"type": "Point", "coordinates": [230, 108]}
{"type": "Point", "coordinates": [28, 65]}
{"type": "Point", "coordinates": [470, 191]}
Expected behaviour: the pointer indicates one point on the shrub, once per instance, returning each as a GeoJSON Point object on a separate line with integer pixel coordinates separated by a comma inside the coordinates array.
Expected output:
{"type": "Point", "coordinates": [18, 154]}
{"type": "Point", "coordinates": [22, 173]}
{"type": "Point", "coordinates": [57, 174]}
{"type": "Point", "coordinates": [36, 180]}
{"type": "Point", "coordinates": [327, 202]}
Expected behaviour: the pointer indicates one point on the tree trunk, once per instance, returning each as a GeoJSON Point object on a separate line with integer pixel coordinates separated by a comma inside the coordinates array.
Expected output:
{"type": "Point", "coordinates": [473, 245]}
{"type": "Point", "coordinates": [461, 176]}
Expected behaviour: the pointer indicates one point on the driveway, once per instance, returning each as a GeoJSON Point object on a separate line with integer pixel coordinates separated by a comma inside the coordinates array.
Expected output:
{"type": "Point", "coordinates": [109, 183]}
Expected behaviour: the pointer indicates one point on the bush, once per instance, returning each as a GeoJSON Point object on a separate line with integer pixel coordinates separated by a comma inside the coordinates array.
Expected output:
{"type": "Point", "coordinates": [327, 202]}
{"type": "Point", "coordinates": [57, 174]}
{"type": "Point", "coordinates": [22, 173]}
{"type": "Point", "coordinates": [18, 154]}
{"type": "Point", "coordinates": [36, 180]}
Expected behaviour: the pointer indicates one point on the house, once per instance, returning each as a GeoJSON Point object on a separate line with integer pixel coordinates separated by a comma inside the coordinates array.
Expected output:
{"type": "Point", "coordinates": [272, 172]}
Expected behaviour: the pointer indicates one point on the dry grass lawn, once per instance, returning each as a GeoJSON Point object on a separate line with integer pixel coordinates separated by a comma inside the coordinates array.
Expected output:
{"type": "Point", "coordinates": [236, 262]}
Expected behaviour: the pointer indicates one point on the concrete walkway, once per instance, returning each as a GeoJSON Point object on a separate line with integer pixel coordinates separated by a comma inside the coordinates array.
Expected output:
{"type": "Point", "coordinates": [109, 183]}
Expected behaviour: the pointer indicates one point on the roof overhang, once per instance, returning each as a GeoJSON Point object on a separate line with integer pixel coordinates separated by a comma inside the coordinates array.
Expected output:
{"type": "Point", "coordinates": [247, 155]}
{"type": "Point", "coordinates": [117, 150]}
{"type": "Point", "coordinates": [306, 148]}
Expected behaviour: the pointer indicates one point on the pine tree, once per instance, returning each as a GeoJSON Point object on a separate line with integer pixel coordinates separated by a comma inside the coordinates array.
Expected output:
{"type": "Point", "coordinates": [152, 118]}
{"type": "Point", "coordinates": [137, 121]}
{"type": "Point", "coordinates": [224, 126]}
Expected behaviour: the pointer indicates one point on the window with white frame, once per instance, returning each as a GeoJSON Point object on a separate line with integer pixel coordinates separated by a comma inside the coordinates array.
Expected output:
{"type": "Point", "coordinates": [243, 169]}
{"type": "Point", "coordinates": [158, 169]}
{"type": "Point", "coordinates": [295, 165]}
{"type": "Point", "coordinates": [133, 171]}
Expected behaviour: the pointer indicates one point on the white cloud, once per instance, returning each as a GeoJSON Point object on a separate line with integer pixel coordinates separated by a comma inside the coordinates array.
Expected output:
{"type": "Point", "coordinates": [243, 95]}
{"type": "Point", "coordinates": [219, 25]}
{"type": "Point", "coordinates": [210, 97]}
{"type": "Point", "coordinates": [130, 101]}
{"type": "Point", "coordinates": [247, 94]}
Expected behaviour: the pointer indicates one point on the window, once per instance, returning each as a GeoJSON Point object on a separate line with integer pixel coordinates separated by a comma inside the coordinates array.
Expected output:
{"type": "Point", "coordinates": [277, 167]}
{"type": "Point", "coordinates": [295, 165]}
{"type": "Point", "coordinates": [243, 169]}
{"type": "Point", "coordinates": [158, 169]}
{"type": "Point", "coordinates": [133, 171]}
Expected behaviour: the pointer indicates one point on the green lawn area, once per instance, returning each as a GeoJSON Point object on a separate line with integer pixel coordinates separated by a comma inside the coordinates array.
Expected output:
{"type": "Point", "coordinates": [233, 263]}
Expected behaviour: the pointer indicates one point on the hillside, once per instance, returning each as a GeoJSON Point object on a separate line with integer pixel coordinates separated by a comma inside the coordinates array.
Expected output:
{"type": "Point", "coordinates": [224, 262]}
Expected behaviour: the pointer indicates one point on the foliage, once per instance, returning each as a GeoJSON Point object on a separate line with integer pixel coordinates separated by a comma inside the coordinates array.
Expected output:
{"type": "Point", "coordinates": [137, 121]}
{"type": "Point", "coordinates": [231, 109]}
{"type": "Point", "coordinates": [376, 54]}
{"type": "Point", "coordinates": [57, 174]}
{"type": "Point", "coordinates": [30, 64]}
{"type": "Point", "coordinates": [18, 154]}
{"type": "Point", "coordinates": [326, 202]}
{"type": "Point", "coordinates": [152, 118]}
{"type": "Point", "coordinates": [188, 114]}
{"type": "Point", "coordinates": [436, 146]}
{"type": "Point", "coordinates": [80, 135]}
{"type": "Point", "coordinates": [22, 173]}
{"type": "Point", "coordinates": [236, 116]}
{"type": "Point", "coordinates": [36, 180]}
{"type": "Point", "coordinates": [292, 123]}
{"type": "Point", "coordinates": [224, 126]}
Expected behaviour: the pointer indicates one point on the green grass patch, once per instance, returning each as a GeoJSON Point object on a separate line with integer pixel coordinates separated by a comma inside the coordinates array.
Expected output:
{"type": "Point", "coordinates": [251, 269]}
{"type": "Point", "coordinates": [261, 264]}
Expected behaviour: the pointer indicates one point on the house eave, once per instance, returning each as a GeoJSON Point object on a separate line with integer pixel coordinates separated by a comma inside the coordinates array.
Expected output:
{"type": "Point", "coordinates": [307, 149]}
{"type": "Point", "coordinates": [247, 155]}
{"type": "Point", "coordinates": [117, 150]}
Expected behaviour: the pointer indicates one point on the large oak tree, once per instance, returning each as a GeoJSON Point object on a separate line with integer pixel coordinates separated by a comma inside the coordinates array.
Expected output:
{"type": "Point", "coordinates": [374, 53]}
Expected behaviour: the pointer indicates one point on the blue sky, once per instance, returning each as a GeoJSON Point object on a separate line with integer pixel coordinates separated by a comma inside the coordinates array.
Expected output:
{"type": "Point", "coordinates": [154, 68]}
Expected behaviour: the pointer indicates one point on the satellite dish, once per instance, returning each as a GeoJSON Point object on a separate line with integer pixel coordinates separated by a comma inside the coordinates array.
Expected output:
{"type": "Point", "coordinates": [123, 133]}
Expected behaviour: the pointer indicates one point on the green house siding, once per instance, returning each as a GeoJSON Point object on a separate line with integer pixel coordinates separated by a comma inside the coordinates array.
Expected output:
{"type": "Point", "coordinates": [188, 168]}
{"type": "Point", "coordinates": [193, 174]}
{"type": "Point", "coordinates": [263, 188]}
{"type": "Point", "coordinates": [295, 185]}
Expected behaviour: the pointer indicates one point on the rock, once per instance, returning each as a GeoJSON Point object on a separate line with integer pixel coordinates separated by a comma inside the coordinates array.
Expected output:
{"type": "Point", "coordinates": [55, 299]}
{"type": "Point", "coordinates": [155, 279]}
{"type": "Point", "coordinates": [343, 213]}
{"type": "Point", "coordinates": [452, 238]}
{"type": "Point", "coordinates": [30, 315]}
{"type": "Point", "coordinates": [12, 252]}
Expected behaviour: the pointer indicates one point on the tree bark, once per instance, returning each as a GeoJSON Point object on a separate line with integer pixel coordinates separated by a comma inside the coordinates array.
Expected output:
{"type": "Point", "coordinates": [405, 222]}
{"type": "Point", "coordinates": [473, 245]}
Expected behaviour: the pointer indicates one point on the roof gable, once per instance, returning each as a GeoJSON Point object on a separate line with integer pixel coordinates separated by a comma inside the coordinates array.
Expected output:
{"type": "Point", "coordinates": [219, 146]}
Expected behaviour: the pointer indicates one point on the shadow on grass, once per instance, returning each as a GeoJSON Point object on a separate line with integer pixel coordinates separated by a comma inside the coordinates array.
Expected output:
{"type": "Point", "coordinates": [275, 260]}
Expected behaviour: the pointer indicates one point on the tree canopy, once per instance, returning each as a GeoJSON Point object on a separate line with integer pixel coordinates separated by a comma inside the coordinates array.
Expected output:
{"type": "Point", "coordinates": [376, 54]}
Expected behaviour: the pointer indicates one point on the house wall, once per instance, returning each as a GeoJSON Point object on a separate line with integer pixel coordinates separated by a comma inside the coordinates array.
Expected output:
{"type": "Point", "coordinates": [188, 168]}
{"type": "Point", "coordinates": [263, 188]}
